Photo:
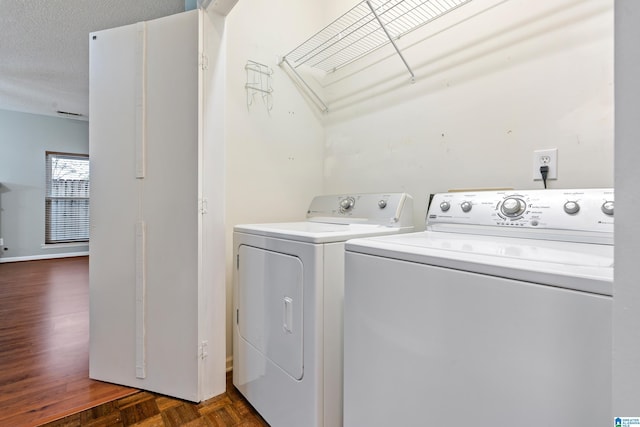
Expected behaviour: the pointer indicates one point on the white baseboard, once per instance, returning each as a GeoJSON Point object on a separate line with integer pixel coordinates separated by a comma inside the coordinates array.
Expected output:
{"type": "Point", "coordinates": [39, 257]}
{"type": "Point", "coordinates": [229, 363]}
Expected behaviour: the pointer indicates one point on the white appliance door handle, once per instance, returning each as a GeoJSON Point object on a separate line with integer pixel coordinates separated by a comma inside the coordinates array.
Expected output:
{"type": "Point", "coordinates": [287, 315]}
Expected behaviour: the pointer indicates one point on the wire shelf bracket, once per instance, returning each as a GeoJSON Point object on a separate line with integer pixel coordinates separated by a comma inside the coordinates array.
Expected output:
{"type": "Point", "coordinates": [368, 26]}
{"type": "Point", "coordinates": [395, 46]}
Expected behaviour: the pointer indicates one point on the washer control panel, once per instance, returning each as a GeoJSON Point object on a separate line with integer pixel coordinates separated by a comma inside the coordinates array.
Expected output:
{"type": "Point", "coordinates": [369, 208]}
{"type": "Point", "coordinates": [564, 212]}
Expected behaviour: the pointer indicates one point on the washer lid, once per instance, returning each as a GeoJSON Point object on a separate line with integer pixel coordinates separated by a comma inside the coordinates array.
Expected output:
{"type": "Point", "coordinates": [317, 232]}
{"type": "Point", "coordinates": [579, 266]}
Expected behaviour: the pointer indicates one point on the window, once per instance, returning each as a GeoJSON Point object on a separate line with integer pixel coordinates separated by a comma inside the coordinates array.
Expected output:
{"type": "Point", "coordinates": [67, 198]}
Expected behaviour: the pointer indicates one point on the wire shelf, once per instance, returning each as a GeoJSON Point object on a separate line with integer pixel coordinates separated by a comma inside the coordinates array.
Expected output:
{"type": "Point", "coordinates": [368, 26]}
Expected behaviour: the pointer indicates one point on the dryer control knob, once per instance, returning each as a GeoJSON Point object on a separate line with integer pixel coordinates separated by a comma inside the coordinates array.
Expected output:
{"type": "Point", "coordinates": [607, 207]}
{"type": "Point", "coordinates": [444, 206]}
{"type": "Point", "coordinates": [512, 206]}
{"type": "Point", "coordinates": [571, 207]}
{"type": "Point", "coordinates": [347, 204]}
{"type": "Point", "coordinates": [466, 206]}
{"type": "Point", "coordinates": [382, 203]}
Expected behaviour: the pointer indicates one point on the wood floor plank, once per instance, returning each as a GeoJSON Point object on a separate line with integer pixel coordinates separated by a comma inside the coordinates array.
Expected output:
{"type": "Point", "coordinates": [44, 361]}
{"type": "Point", "coordinates": [146, 409]}
{"type": "Point", "coordinates": [44, 343]}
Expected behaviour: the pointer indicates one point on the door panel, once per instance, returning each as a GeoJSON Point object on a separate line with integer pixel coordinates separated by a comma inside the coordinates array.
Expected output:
{"type": "Point", "coordinates": [270, 314]}
{"type": "Point", "coordinates": [144, 166]}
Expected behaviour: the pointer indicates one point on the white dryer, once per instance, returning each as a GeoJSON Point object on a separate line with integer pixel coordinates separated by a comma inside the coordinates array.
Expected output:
{"type": "Point", "coordinates": [498, 314]}
{"type": "Point", "coordinates": [288, 293]}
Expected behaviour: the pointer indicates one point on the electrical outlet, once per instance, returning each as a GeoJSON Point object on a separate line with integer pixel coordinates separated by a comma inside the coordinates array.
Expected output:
{"type": "Point", "coordinates": [545, 157]}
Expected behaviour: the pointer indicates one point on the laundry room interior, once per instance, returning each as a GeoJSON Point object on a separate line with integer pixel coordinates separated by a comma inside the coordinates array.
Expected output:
{"type": "Point", "coordinates": [464, 102]}
{"type": "Point", "coordinates": [494, 82]}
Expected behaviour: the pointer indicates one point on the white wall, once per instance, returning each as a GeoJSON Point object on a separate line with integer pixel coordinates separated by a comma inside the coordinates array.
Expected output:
{"type": "Point", "coordinates": [626, 307]}
{"type": "Point", "coordinates": [495, 80]}
{"type": "Point", "coordinates": [24, 139]}
{"type": "Point", "coordinates": [273, 158]}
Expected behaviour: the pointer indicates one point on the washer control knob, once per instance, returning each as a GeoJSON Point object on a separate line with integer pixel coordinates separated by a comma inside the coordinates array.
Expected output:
{"type": "Point", "coordinates": [607, 207]}
{"type": "Point", "coordinates": [512, 206]}
{"type": "Point", "coordinates": [571, 207]}
{"type": "Point", "coordinates": [466, 206]}
{"type": "Point", "coordinates": [347, 204]}
{"type": "Point", "coordinates": [382, 203]}
{"type": "Point", "coordinates": [444, 206]}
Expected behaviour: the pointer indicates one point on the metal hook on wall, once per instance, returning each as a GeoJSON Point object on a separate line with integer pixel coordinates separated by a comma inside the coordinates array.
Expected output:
{"type": "Point", "coordinates": [259, 83]}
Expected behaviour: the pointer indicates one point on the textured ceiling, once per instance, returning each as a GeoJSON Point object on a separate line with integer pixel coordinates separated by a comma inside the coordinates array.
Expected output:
{"type": "Point", "coordinates": [44, 48]}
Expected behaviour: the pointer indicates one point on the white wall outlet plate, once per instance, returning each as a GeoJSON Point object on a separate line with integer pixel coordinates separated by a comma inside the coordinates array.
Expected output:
{"type": "Point", "coordinates": [547, 157]}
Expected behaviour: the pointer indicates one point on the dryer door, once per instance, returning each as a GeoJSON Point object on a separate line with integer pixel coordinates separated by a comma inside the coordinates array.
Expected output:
{"type": "Point", "coordinates": [270, 306]}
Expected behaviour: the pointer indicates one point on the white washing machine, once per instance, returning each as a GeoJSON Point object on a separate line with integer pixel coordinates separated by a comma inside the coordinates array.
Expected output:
{"type": "Point", "coordinates": [498, 314]}
{"type": "Point", "coordinates": [288, 293]}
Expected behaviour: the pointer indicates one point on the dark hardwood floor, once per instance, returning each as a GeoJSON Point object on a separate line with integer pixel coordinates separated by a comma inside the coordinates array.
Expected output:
{"type": "Point", "coordinates": [44, 360]}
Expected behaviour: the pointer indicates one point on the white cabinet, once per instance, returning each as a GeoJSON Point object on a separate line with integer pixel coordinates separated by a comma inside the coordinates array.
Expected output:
{"type": "Point", "coordinates": [156, 250]}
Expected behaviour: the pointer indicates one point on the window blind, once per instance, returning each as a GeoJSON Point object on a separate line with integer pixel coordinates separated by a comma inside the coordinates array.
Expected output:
{"type": "Point", "coordinates": [67, 198]}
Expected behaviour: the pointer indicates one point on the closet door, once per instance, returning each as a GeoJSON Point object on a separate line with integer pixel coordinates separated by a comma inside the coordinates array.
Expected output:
{"type": "Point", "coordinates": [170, 205]}
{"type": "Point", "coordinates": [144, 205]}
{"type": "Point", "coordinates": [113, 204]}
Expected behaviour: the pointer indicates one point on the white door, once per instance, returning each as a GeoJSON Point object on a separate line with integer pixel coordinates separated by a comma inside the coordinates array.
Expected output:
{"type": "Point", "coordinates": [144, 256]}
